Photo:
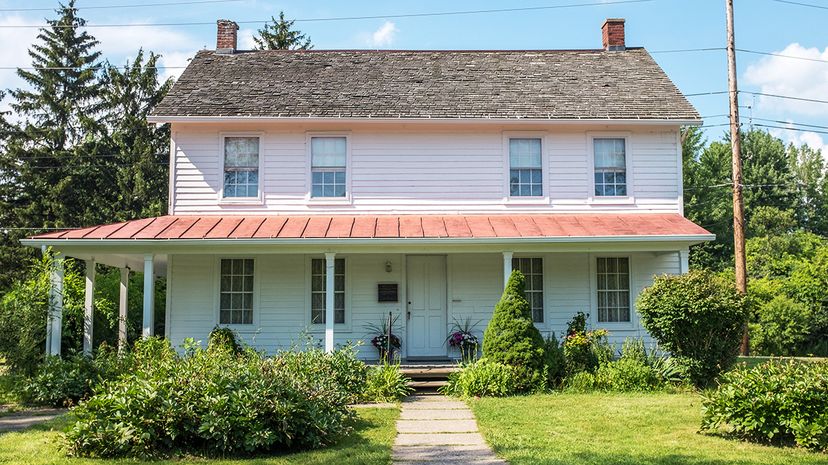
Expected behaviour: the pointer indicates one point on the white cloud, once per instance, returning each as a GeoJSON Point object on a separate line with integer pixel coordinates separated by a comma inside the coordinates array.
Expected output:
{"type": "Point", "coordinates": [245, 39]}
{"type": "Point", "coordinates": [799, 137]}
{"type": "Point", "coordinates": [14, 53]}
{"type": "Point", "coordinates": [797, 78]}
{"type": "Point", "coordinates": [383, 36]}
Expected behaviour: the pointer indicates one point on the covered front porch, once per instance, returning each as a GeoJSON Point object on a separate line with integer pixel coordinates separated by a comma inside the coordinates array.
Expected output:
{"type": "Point", "coordinates": [280, 292]}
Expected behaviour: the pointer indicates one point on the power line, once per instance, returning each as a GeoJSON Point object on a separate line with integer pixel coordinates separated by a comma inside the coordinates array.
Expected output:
{"type": "Point", "coordinates": [140, 5]}
{"type": "Point", "coordinates": [351, 18]}
{"type": "Point", "coordinates": [755, 52]}
{"type": "Point", "coordinates": [790, 128]}
{"type": "Point", "coordinates": [762, 94]}
{"type": "Point", "coordinates": [741, 50]}
{"type": "Point", "coordinates": [809, 5]}
{"type": "Point", "coordinates": [801, 99]}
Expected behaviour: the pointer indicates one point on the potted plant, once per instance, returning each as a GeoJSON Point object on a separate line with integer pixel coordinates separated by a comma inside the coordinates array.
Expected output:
{"type": "Point", "coordinates": [461, 336]}
{"type": "Point", "coordinates": [380, 337]}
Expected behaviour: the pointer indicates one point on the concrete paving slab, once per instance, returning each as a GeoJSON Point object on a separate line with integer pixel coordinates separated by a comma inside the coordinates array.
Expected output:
{"type": "Point", "coordinates": [430, 414]}
{"type": "Point", "coordinates": [437, 426]}
{"type": "Point", "coordinates": [437, 405]}
{"type": "Point", "coordinates": [439, 439]}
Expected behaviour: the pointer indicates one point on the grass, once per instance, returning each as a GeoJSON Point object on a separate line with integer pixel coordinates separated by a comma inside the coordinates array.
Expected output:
{"type": "Point", "coordinates": [752, 361]}
{"type": "Point", "coordinates": [640, 429]}
{"type": "Point", "coordinates": [370, 443]}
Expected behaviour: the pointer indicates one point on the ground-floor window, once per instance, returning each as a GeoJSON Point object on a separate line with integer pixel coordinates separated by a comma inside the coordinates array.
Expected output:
{"type": "Point", "coordinates": [318, 281]}
{"type": "Point", "coordinates": [613, 289]}
{"type": "Point", "coordinates": [532, 269]}
{"type": "Point", "coordinates": [236, 291]}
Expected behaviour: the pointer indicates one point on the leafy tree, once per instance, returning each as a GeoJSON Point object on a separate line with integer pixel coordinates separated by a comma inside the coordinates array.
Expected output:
{"type": "Point", "coordinates": [511, 338]}
{"type": "Point", "coordinates": [808, 168]}
{"type": "Point", "coordinates": [769, 180]}
{"type": "Point", "coordinates": [280, 35]}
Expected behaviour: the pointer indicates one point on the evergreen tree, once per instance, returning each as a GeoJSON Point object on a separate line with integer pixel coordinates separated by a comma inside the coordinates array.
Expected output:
{"type": "Point", "coordinates": [280, 35]}
{"type": "Point", "coordinates": [511, 337]}
{"type": "Point", "coordinates": [142, 150]}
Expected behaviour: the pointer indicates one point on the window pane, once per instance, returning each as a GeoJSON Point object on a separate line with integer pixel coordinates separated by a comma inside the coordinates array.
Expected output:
{"type": "Point", "coordinates": [610, 153]}
{"type": "Point", "coordinates": [328, 152]}
{"type": "Point", "coordinates": [525, 153]}
{"type": "Point", "coordinates": [318, 285]}
{"type": "Point", "coordinates": [241, 152]}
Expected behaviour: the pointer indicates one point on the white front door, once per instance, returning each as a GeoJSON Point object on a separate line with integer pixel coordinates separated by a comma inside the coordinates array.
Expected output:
{"type": "Point", "coordinates": [426, 291]}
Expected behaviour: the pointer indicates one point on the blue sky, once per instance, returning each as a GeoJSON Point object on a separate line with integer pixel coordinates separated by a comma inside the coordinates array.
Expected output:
{"type": "Point", "coordinates": [761, 25]}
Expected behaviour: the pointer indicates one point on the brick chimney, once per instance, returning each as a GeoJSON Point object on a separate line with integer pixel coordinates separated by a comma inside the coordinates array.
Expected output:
{"type": "Point", "coordinates": [612, 34]}
{"type": "Point", "coordinates": [226, 36]}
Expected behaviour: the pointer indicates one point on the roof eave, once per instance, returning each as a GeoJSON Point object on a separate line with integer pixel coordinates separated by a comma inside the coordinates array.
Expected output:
{"type": "Point", "coordinates": [161, 119]}
{"type": "Point", "coordinates": [692, 238]}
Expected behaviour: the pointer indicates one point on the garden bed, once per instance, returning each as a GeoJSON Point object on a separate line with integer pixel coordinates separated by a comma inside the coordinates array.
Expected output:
{"type": "Point", "coordinates": [605, 428]}
{"type": "Point", "coordinates": [370, 443]}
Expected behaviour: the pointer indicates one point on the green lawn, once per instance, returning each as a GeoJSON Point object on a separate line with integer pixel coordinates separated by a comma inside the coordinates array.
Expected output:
{"type": "Point", "coordinates": [645, 429]}
{"type": "Point", "coordinates": [369, 444]}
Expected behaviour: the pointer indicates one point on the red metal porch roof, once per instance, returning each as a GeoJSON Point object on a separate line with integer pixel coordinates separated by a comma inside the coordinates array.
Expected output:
{"type": "Point", "coordinates": [390, 227]}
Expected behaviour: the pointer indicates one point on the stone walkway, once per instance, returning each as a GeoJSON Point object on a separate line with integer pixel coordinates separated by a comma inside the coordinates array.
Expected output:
{"type": "Point", "coordinates": [438, 430]}
{"type": "Point", "coordinates": [21, 420]}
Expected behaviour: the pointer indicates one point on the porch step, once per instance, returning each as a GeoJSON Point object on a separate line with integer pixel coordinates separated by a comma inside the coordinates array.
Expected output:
{"type": "Point", "coordinates": [437, 372]}
{"type": "Point", "coordinates": [426, 387]}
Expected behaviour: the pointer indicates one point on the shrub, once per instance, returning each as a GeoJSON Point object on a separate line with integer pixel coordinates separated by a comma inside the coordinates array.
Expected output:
{"type": "Point", "coordinates": [211, 403]}
{"type": "Point", "coordinates": [783, 327]}
{"type": "Point", "coordinates": [777, 401]}
{"type": "Point", "coordinates": [386, 383]}
{"type": "Point", "coordinates": [487, 377]}
{"type": "Point", "coordinates": [341, 368]}
{"type": "Point", "coordinates": [635, 370]}
{"type": "Point", "coordinates": [697, 317]}
{"type": "Point", "coordinates": [511, 337]}
{"type": "Point", "coordinates": [554, 360]}
{"type": "Point", "coordinates": [63, 382]}
{"type": "Point", "coordinates": [223, 338]}
{"type": "Point", "coordinates": [584, 350]}
{"type": "Point", "coordinates": [23, 311]}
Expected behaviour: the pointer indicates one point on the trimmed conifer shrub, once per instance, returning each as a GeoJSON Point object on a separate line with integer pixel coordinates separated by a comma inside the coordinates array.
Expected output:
{"type": "Point", "coordinates": [512, 339]}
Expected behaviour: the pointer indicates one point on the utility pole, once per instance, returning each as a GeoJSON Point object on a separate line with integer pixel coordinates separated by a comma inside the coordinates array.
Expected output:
{"type": "Point", "coordinates": [736, 146]}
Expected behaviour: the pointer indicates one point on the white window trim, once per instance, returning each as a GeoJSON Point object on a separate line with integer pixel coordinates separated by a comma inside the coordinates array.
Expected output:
{"type": "Point", "coordinates": [593, 291]}
{"type": "Point", "coordinates": [320, 327]}
{"type": "Point", "coordinates": [508, 199]}
{"type": "Point", "coordinates": [323, 201]}
{"type": "Point", "coordinates": [545, 325]}
{"type": "Point", "coordinates": [259, 199]}
{"type": "Point", "coordinates": [241, 328]}
{"type": "Point", "coordinates": [628, 199]}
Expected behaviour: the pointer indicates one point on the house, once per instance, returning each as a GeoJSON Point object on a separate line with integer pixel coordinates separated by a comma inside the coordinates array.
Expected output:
{"type": "Point", "coordinates": [318, 191]}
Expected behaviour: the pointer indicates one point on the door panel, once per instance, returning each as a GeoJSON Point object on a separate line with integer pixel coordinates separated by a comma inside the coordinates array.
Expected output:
{"type": "Point", "coordinates": [426, 289]}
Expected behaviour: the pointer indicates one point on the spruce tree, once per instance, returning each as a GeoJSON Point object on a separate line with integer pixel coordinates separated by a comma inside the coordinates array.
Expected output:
{"type": "Point", "coordinates": [141, 150]}
{"type": "Point", "coordinates": [511, 337]}
{"type": "Point", "coordinates": [58, 132]}
{"type": "Point", "coordinates": [280, 35]}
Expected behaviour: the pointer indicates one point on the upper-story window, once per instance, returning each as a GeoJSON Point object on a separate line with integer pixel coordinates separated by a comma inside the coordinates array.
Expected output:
{"type": "Point", "coordinates": [525, 170]}
{"type": "Point", "coordinates": [328, 165]}
{"type": "Point", "coordinates": [610, 167]}
{"type": "Point", "coordinates": [241, 167]}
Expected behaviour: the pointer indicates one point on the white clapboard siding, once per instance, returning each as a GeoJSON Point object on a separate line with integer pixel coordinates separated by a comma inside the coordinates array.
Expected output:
{"type": "Point", "coordinates": [435, 170]}
{"type": "Point", "coordinates": [474, 285]}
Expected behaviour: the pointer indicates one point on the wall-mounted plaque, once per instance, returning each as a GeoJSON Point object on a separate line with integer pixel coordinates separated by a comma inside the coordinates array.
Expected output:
{"type": "Point", "coordinates": [388, 292]}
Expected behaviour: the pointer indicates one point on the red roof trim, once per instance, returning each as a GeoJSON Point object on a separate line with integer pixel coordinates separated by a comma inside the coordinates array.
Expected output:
{"type": "Point", "coordinates": [389, 226]}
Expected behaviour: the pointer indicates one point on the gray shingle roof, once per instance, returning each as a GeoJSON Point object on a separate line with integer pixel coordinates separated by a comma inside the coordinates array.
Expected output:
{"type": "Point", "coordinates": [542, 84]}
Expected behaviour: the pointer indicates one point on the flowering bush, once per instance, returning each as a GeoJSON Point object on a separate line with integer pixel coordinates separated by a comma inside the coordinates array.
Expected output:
{"type": "Point", "coordinates": [584, 350]}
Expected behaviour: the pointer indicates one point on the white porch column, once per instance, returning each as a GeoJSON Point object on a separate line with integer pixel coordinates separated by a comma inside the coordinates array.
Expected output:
{"type": "Point", "coordinates": [684, 260]}
{"type": "Point", "coordinates": [507, 267]}
{"type": "Point", "coordinates": [149, 295]}
{"type": "Point", "coordinates": [329, 300]}
{"type": "Point", "coordinates": [89, 307]}
{"type": "Point", "coordinates": [122, 309]}
{"type": "Point", "coordinates": [54, 319]}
